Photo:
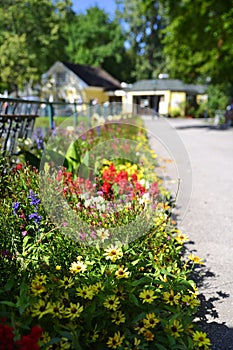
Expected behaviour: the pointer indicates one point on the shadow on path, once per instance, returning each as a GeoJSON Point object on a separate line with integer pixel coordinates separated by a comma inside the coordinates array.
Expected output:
{"type": "Point", "coordinates": [201, 126]}
{"type": "Point", "coordinates": [220, 335]}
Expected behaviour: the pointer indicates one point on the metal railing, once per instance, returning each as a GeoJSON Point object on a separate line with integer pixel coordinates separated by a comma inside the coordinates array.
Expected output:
{"type": "Point", "coordinates": [18, 117]}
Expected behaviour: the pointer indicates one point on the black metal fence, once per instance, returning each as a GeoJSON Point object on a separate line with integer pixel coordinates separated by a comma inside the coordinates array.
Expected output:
{"type": "Point", "coordinates": [18, 117]}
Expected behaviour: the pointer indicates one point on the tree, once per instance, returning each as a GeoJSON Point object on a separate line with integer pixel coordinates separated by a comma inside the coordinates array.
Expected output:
{"type": "Point", "coordinates": [94, 39]}
{"type": "Point", "coordinates": [31, 38]}
{"type": "Point", "coordinates": [198, 40]}
{"type": "Point", "coordinates": [143, 23]}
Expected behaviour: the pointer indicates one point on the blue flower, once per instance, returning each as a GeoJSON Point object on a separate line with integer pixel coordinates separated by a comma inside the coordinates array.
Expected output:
{"type": "Point", "coordinates": [35, 217]}
{"type": "Point", "coordinates": [34, 199]}
{"type": "Point", "coordinates": [16, 206]}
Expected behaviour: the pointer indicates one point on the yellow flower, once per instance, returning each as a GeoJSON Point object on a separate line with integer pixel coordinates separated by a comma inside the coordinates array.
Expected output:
{"type": "Point", "coordinates": [140, 327]}
{"type": "Point", "coordinates": [77, 267]}
{"type": "Point", "coordinates": [112, 303]}
{"type": "Point", "coordinates": [191, 300]}
{"type": "Point", "coordinates": [147, 295]}
{"type": "Point", "coordinates": [39, 279]}
{"type": "Point", "coordinates": [40, 309]}
{"type": "Point", "coordinates": [150, 321]}
{"type": "Point", "coordinates": [175, 329]}
{"type": "Point", "coordinates": [58, 267]}
{"type": "Point", "coordinates": [137, 341]}
{"type": "Point", "coordinates": [74, 311]}
{"type": "Point", "coordinates": [57, 310]}
{"type": "Point", "coordinates": [94, 335]}
{"type": "Point", "coordinates": [85, 292]}
{"type": "Point", "coordinates": [200, 339]}
{"type": "Point", "coordinates": [120, 293]}
{"type": "Point", "coordinates": [63, 344]}
{"type": "Point", "coordinates": [122, 273]}
{"type": "Point", "coordinates": [113, 253]}
{"type": "Point", "coordinates": [195, 259]}
{"type": "Point", "coordinates": [171, 298]}
{"type": "Point", "coordinates": [45, 338]}
{"type": "Point", "coordinates": [148, 335]}
{"type": "Point", "coordinates": [97, 287]}
{"type": "Point", "coordinates": [115, 341]}
{"type": "Point", "coordinates": [181, 238]}
{"type": "Point", "coordinates": [67, 282]}
{"type": "Point", "coordinates": [37, 289]}
{"type": "Point", "coordinates": [189, 329]}
{"type": "Point", "coordinates": [65, 299]}
{"type": "Point", "coordinates": [118, 317]}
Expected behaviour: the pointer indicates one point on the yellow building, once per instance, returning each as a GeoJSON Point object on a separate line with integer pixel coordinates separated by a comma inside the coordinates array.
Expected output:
{"type": "Point", "coordinates": [78, 83]}
{"type": "Point", "coordinates": [87, 85]}
{"type": "Point", "coordinates": [168, 97]}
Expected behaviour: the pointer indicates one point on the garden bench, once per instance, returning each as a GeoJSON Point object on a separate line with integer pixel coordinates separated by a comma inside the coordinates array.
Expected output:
{"type": "Point", "coordinates": [17, 119]}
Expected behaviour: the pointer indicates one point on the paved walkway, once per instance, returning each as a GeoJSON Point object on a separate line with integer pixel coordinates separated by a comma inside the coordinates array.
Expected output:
{"type": "Point", "coordinates": [205, 213]}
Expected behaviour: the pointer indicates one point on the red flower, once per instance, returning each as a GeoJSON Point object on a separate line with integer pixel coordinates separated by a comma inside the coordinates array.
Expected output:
{"type": "Point", "coordinates": [140, 189]}
{"type": "Point", "coordinates": [29, 342]}
{"type": "Point", "coordinates": [106, 187]}
{"type": "Point", "coordinates": [6, 336]}
{"type": "Point", "coordinates": [134, 177]}
{"type": "Point", "coordinates": [18, 167]}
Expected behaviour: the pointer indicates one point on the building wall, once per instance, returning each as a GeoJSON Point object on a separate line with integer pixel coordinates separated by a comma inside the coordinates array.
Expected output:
{"type": "Point", "coordinates": [165, 102]}
{"type": "Point", "coordinates": [177, 103]}
{"type": "Point", "coordinates": [94, 93]}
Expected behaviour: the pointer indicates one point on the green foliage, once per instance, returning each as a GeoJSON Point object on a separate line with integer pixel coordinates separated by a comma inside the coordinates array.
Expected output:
{"type": "Point", "coordinates": [197, 40]}
{"type": "Point", "coordinates": [75, 291]}
{"type": "Point", "coordinates": [217, 99]}
{"type": "Point", "coordinates": [31, 39]}
{"type": "Point", "coordinates": [96, 40]}
{"type": "Point", "coordinates": [93, 294]}
{"type": "Point", "coordinates": [143, 23]}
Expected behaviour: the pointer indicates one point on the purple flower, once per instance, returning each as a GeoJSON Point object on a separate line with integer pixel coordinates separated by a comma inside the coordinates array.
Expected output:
{"type": "Point", "coordinates": [16, 206]}
{"type": "Point", "coordinates": [39, 137]}
{"type": "Point", "coordinates": [34, 199]}
{"type": "Point", "coordinates": [82, 236]}
{"type": "Point", "coordinates": [24, 233]}
{"type": "Point", "coordinates": [6, 254]}
{"type": "Point", "coordinates": [93, 234]}
{"type": "Point", "coordinates": [35, 217]}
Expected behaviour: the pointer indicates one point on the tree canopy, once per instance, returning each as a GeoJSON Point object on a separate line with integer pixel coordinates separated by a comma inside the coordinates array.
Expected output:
{"type": "Point", "coordinates": [189, 40]}
{"type": "Point", "coordinates": [31, 38]}
{"type": "Point", "coordinates": [94, 39]}
{"type": "Point", "coordinates": [198, 40]}
{"type": "Point", "coordinates": [143, 23]}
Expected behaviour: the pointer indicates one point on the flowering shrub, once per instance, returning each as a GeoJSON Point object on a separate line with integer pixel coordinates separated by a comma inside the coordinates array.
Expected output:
{"type": "Point", "coordinates": [92, 292]}
{"type": "Point", "coordinates": [26, 342]}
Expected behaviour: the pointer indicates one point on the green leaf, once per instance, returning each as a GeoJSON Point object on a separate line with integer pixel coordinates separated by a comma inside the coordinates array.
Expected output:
{"type": "Point", "coordinates": [161, 347]}
{"type": "Point", "coordinates": [8, 303]}
{"type": "Point", "coordinates": [9, 284]}
{"type": "Point", "coordinates": [133, 299]}
{"type": "Point", "coordinates": [143, 280]}
{"type": "Point", "coordinates": [67, 335]}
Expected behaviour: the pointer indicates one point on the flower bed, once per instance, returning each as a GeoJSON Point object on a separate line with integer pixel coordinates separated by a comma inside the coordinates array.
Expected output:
{"type": "Point", "coordinates": [101, 281]}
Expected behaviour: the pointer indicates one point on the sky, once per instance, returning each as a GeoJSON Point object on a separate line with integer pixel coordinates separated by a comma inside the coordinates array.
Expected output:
{"type": "Point", "coordinates": [107, 5]}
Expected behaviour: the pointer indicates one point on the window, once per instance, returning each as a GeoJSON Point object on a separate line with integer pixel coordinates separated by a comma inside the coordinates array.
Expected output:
{"type": "Point", "coordinates": [60, 78]}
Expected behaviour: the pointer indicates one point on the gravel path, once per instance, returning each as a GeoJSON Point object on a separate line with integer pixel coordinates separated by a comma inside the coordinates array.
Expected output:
{"type": "Point", "coordinates": [205, 214]}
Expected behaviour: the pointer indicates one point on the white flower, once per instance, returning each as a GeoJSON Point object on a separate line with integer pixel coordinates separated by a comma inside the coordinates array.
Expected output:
{"type": "Point", "coordinates": [113, 253]}
{"type": "Point", "coordinates": [102, 234]}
